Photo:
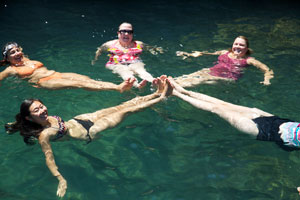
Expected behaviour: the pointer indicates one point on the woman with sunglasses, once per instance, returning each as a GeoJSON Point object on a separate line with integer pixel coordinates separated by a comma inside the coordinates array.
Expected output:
{"type": "Point", "coordinates": [34, 123]}
{"type": "Point", "coordinates": [124, 55]}
{"type": "Point", "coordinates": [229, 67]}
{"type": "Point", "coordinates": [38, 74]}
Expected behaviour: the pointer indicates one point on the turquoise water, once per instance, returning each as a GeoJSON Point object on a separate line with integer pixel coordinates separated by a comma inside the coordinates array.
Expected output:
{"type": "Point", "coordinates": [171, 151]}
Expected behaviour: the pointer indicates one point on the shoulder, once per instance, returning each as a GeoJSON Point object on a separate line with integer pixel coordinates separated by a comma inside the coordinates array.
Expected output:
{"type": "Point", "coordinates": [110, 43]}
{"type": "Point", "coordinates": [222, 52]}
{"type": "Point", "coordinates": [38, 63]}
{"type": "Point", "coordinates": [251, 60]}
{"type": "Point", "coordinates": [140, 43]}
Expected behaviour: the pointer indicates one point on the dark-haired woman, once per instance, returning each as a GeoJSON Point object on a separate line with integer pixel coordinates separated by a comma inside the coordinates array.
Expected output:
{"type": "Point", "coordinates": [38, 74]}
{"type": "Point", "coordinates": [229, 67]}
{"type": "Point", "coordinates": [33, 122]}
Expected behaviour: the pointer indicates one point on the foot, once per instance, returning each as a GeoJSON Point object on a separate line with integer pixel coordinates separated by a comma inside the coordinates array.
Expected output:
{"type": "Point", "coordinates": [126, 85]}
{"type": "Point", "coordinates": [142, 84]}
{"type": "Point", "coordinates": [156, 80]}
{"type": "Point", "coordinates": [175, 85]}
{"type": "Point", "coordinates": [160, 85]}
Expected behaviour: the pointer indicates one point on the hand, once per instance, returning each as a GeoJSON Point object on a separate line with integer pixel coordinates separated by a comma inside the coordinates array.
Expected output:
{"type": "Point", "coordinates": [266, 82]}
{"type": "Point", "coordinates": [62, 187]}
{"type": "Point", "coordinates": [298, 188]}
{"type": "Point", "coordinates": [127, 84]}
{"type": "Point", "coordinates": [160, 49]}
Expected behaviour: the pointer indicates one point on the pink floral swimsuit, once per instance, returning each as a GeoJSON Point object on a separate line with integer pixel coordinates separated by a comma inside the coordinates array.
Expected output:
{"type": "Point", "coordinates": [127, 56]}
{"type": "Point", "coordinates": [228, 67]}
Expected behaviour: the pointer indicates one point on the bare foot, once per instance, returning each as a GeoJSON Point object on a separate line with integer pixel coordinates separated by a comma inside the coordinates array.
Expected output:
{"type": "Point", "coordinates": [127, 85]}
{"type": "Point", "coordinates": [170, 88]}
{"type": "Point", "coordinates": [160, 85]}
{"type": "Point", "coordinates": [156, 80]}
{"type": "Point", "coordinates": [142, 84]}
{"type": "Point", "coordinates": [175, 85]}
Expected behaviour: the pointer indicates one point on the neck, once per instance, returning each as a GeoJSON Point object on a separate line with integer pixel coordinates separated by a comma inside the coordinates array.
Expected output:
{"type": "Point", "coordinates": [125, 44]}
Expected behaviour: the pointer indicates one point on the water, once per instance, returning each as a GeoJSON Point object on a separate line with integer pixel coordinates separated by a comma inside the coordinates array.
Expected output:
{"type": "Point", "coordinates": [171, 151]}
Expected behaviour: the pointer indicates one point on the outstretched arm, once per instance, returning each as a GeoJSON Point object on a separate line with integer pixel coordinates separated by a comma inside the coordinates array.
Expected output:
{"type": "Point", "coordinates": [152, 49]}
{"type": "Point", "coordinates": [198, 53]}
{"type": "Point", "coordinates": [50, 162]}
{"type": "Point", "coordinates": [7, 72]}
{"type": "Point", "coordinates": [99, 51]}
{"type": "Point", "coordinates": [268, 74]}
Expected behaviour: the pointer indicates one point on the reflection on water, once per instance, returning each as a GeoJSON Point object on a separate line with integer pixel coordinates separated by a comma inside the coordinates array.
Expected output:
{"type": "Point", "coordinates": [170, 151]}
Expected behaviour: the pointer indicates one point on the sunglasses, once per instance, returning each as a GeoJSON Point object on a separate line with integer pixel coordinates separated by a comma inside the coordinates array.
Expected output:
{"type": "Point", "coordinates": [126, 31]}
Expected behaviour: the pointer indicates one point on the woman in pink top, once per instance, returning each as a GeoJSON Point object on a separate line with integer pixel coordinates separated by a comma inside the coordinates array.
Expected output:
{"type": "Point", "coordinates": [124, 55]}
{"type": "Point", "coordinates": [229, 67]}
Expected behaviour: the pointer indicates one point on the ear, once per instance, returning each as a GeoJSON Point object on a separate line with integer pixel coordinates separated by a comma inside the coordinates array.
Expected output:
{"type": "Point", "coordinates": [28, 118]}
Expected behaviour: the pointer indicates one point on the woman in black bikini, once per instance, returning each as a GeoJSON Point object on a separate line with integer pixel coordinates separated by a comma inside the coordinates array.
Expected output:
{"type": "Point", "coordinates": [33, 122]}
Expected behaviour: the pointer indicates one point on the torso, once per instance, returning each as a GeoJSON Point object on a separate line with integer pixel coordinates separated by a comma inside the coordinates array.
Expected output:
{"type": "Point", "coordinates": [59, 125]}
{"type": "Point", "coordinates": [119, 55]}
{"type": "Point", "coordinates": [32, 70]}
{"type": "Point", "coordinates": [228, 67]}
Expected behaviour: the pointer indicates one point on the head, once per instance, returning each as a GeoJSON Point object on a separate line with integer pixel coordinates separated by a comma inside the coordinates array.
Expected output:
{"type": "Point", "coordinates": [29, 121]}
{"type": "Point", "coordinates": [240, 47]}
{"type": "Point", "coordinates": [34, 110]}
{"type": "Point", "coordinates": [125, 33]}
{"type": "Point", "coordinates": [12, 53]}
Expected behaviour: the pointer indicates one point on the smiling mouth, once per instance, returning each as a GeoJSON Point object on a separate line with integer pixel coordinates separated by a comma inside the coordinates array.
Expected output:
{"type": "Point", "coordinates": [238, 50]}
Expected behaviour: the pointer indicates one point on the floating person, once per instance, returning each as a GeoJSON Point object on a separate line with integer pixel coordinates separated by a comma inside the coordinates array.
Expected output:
{"type": "Point", "coordinates": [33, 121]}
{"type": "Point", "coordinates": [229, 67]}
{"type": "Point", "coordinates": [263, 125]}
{"type": "Point", "coordinates": [124, 56]}
{"type": "Point", "coordinates": [40, 76]}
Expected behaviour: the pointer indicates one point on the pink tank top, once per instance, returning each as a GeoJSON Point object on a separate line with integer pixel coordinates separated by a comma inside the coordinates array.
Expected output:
{"type": "Point", "coordinates": [127, 56]}
{"type": "Point", "coordinates": [228, 67]}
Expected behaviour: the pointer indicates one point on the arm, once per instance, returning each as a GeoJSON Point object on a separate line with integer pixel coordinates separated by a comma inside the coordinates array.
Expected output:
{"type": "Point", "coordinates": [99, 51]}
{"type": "Point", "coordinates": [7, 72]}
{"type": "Point", "coordinates": [268, 74]}
{"type": "Point", "coordinates": [152, 49]}
{"type": "Point", "coordinates": [198, 53]}
{"type": "Point", "coordinates": [50, 162]}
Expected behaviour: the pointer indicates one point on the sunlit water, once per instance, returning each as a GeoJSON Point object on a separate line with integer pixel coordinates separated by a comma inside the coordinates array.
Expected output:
{"type": "Point", "coordinates": [171, 151]}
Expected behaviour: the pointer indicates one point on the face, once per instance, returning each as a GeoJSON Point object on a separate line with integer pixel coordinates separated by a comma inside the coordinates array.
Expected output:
{"type": "Point", "coordinates": [15, 55]}
{"type": "Point", "coordinates": [125, 33]}
{"type": "Point", "coordinates": [38, 112]}
{"type": "Point", "coordinates": [239, 47]}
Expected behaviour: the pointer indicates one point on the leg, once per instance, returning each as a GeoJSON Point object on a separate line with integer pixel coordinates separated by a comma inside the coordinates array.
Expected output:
{"type": "Point", "coordinates": [139, 69]}
{"type": "Point", "coordinates": [72, 80]}
{"type": "Point", "coordinates": [238, 116]}
{"type": "Point", "coordinates": [115, 115]}
{"type": "Point", "coordinates": [123, 71]}
{"type": "Point", "coordinates": [200, 77]}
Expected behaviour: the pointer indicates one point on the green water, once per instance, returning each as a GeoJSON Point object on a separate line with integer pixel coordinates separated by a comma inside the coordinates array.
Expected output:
{"type": "Point", "coordinates": [171, 151]}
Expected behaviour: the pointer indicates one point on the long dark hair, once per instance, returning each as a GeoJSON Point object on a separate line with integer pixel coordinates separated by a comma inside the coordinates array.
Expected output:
{"type": "Point", "coordinates": [250, 51]}
{"type": "Point", "coordinates": [28, 129]}
{"type": "Point", "coordinates": [5, 50]}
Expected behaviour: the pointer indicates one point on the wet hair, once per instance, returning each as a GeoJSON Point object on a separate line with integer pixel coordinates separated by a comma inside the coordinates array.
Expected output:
{"type": "Point", "coordinates": [125, 23]}
{"type": "Point", "coordinates": [5, 50]}
{"type": "Point", "coordinates": [249, 51]}
{"type": "Point", "coordinates": [28, 129]}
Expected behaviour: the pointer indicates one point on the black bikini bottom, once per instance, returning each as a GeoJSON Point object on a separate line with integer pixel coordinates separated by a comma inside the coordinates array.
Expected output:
{"type": "Point", "coordinates": [87, 124]}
